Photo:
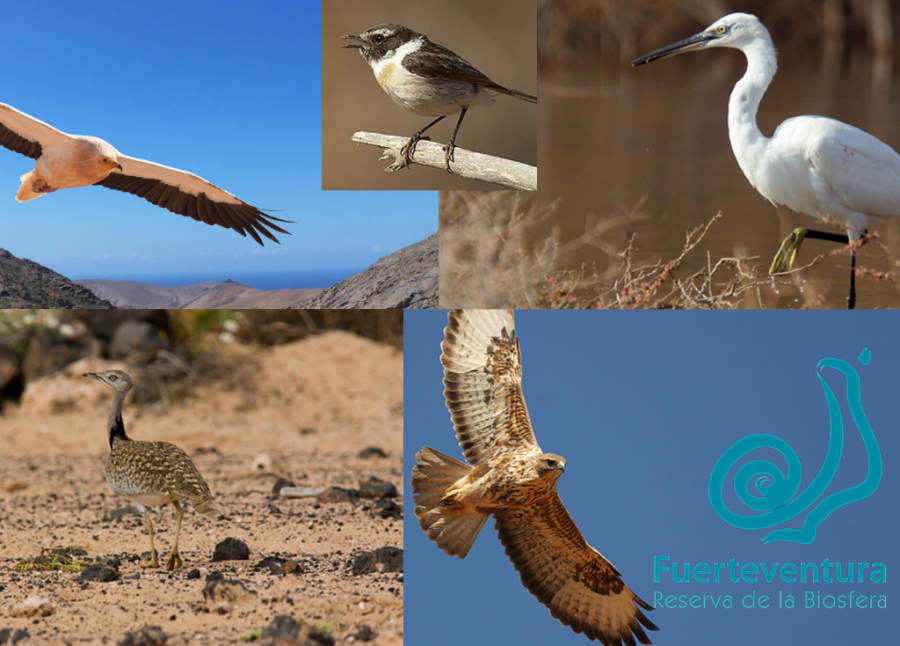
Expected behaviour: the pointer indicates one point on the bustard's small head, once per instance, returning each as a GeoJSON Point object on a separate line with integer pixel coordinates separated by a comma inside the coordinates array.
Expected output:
{"type": "Point", "coordinates": [116, 380]}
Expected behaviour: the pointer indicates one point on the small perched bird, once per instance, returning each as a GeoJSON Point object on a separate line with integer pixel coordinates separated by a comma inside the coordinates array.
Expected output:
{"type": "Point", "coordinates": [150, 473]}
{"type": "Point", "coordinates": [70, 161]}
{"type": "Point", "coordinates": [426, 79]}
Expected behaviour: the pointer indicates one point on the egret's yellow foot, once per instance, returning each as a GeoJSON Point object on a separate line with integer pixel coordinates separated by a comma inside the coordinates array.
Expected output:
{"type": "Point", "coordinates": [787, 254]}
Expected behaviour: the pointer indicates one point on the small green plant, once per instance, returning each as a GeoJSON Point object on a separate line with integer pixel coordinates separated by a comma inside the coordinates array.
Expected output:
{"type": "Point", "coordinates": [52, 559]}
{"type": "Point", "coordinates": [254, 634]}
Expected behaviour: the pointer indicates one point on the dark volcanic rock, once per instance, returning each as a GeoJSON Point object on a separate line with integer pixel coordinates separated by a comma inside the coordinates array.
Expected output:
{"type": "Point", "coordinates": [377, 488]}
{"type": "Point", "coordinates": [25, 284]}
{"type": "Point", "coordinates": [390, 558]}
{"type": "Point", "coordinates": [338, 494]}
{"type": "Point", "coordinates": [371, 452]}
{"type": "Point", "coordinates": [272, 563]}
{"type": "Point", "coordinates": [98, 572]}
{"type": "Point", "coordinates": [406, 279]}
{"type": "Point", "coordinates": [222, 595]}
{"type": "Point", "coordinates": [146, 636]}
{"type": "Point", "coordinates": [282, 482]}
{"type": "Point", "coordinates": [9, 636]}
{"type": "Point", "coordinates": [364, 633]}
{"type": "Point", "coordinates": [231, 549]}
{"type": "Point", "coordinates": [386, 508]}
{"type": "Point", "coordinates": [287, 630]}
{"type": "Point", "coordinates": [193, 574]}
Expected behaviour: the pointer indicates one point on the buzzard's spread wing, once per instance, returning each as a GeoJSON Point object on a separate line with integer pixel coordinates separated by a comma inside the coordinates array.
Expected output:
{"type": "Point", "coordinates": [483, 384]}
{"type": "Point", "coordinates": [580, 587]}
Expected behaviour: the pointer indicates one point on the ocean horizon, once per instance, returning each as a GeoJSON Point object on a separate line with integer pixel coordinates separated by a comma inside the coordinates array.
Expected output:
{"type": "Point", "coordinates": [262, 280]}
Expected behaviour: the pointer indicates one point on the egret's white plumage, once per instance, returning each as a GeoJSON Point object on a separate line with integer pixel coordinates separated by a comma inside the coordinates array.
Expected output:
{"type": "Point", "coordinates": [69, 161]}
{"type": "Point", "coordinates": [814, 165]}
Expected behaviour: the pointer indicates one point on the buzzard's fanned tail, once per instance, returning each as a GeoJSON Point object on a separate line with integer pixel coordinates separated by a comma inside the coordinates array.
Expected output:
{"type": "Point", "coordinates": [433, 474]}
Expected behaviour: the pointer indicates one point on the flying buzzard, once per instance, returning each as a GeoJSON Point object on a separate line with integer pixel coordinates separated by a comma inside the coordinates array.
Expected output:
{"type": "Point", "coordinates": [510, 477]}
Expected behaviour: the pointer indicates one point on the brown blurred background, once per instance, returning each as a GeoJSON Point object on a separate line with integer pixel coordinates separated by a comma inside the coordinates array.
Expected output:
{"type": "Point", "coordinates": [643, 153]}
{"type": "Point", "coordinates": [497, 36]}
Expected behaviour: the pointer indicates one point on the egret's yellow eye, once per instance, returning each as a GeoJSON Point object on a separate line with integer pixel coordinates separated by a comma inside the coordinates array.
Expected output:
{"type": "Point", "coordinates": [721, 29]}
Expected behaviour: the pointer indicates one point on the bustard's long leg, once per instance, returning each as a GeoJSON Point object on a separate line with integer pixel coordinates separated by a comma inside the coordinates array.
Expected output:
{"type": "Point", "coordinates": [174, 556]}
{"type": "Point", "coordinates": [153, 560]}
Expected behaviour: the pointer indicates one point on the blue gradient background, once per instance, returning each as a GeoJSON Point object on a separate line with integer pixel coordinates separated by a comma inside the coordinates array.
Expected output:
{"type": "Point", "coordinates": [642, 405]}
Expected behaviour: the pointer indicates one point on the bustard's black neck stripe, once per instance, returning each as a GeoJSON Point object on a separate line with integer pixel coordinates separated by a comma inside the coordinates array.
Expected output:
{"type": "Point", "coordinates": [117, 431]}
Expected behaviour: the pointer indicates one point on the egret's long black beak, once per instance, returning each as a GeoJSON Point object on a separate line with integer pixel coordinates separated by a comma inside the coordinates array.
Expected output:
{"type": "Point", "coordinates": [697, 41]}
{"type": "Point", "coordinates": [354, 45]}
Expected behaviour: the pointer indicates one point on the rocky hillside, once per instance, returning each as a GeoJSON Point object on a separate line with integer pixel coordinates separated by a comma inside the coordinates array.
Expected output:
{"type": "Point", "coordinates": [126, 294]}
{"type": "Point", "coordinates": [27, 285]}
{"type": "Point", "coordinates": [406, 279]}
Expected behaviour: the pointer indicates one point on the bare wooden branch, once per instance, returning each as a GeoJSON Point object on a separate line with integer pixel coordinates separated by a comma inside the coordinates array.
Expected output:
{"type": "Point", "coordinates": [465, 162]}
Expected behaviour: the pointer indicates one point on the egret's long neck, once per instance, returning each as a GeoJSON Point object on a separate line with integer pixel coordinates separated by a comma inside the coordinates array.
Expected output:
{"type": "Point", "coordinates": [115, 426]}
{"type": "Point", "coordinates": [747, 142]}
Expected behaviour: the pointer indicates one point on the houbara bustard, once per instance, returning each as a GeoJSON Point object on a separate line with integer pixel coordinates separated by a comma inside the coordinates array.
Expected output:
{"type": "Point", "coordinates": [150, 473]}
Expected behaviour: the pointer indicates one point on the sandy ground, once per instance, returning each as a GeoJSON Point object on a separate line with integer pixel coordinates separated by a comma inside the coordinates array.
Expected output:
{"type": "Point", "coordinates": [304, 413]}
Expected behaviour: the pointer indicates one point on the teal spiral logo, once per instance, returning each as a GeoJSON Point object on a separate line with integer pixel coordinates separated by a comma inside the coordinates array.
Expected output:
{"type": "Point", "coordinates": [774, 492]}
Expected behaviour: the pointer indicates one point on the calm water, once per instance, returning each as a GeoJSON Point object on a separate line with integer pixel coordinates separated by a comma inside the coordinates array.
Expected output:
{"type": "Point", "coordinates": [263, 280]}
{"type": "Point", "coordinates": [649, 146]}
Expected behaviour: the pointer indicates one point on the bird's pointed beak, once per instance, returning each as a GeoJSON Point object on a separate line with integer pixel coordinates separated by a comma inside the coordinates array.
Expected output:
{"type": "Point", "coordinates": [353, 45]}
{"type": "Point", "coordinates": [90, 374]}
{"type": "Point", "coordinates": [119, 166]}
{"type": "Point", "coordinates": [697, 41]}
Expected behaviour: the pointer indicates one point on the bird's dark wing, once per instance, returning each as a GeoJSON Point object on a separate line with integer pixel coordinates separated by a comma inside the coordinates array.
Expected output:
{"type": "Point", "coordinates": [24, 134]}
{"type": "Point", "coordinates": [436, 61]}
{"type": "Point", "coordinates": [580, 587]}
{"type": "Point", "coordinates": [483, 384]}
{"type": "Point", "coordinates": [192, 196]}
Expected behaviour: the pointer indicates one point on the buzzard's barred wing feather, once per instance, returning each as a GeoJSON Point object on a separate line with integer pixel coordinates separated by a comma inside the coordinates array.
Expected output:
{"type": "Point", "coordinates": [189, 195]}
{"type": "Point", "coordinates": [483, 384]}
{"type": "Point", "coordinates": [581, 588]}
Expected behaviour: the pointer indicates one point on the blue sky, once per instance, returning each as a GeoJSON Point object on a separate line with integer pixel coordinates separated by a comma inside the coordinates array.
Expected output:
{"type": "Point", "coordinates": [642, 406]}
{"type": "Point", "coordinates": [228, 90]}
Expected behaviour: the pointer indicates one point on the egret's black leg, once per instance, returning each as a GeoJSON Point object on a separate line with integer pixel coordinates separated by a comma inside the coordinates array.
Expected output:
{"type": "Point", "coordinates": [410, 146]}
{"type": "Point", "coordinates": [448, 151]}
{"type": "Point", "coordinates": [851, 298]}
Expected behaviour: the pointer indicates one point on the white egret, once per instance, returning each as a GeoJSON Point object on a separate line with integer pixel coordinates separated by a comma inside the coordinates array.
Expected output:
{"type": "Point", "coordinates": [813, 165]}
